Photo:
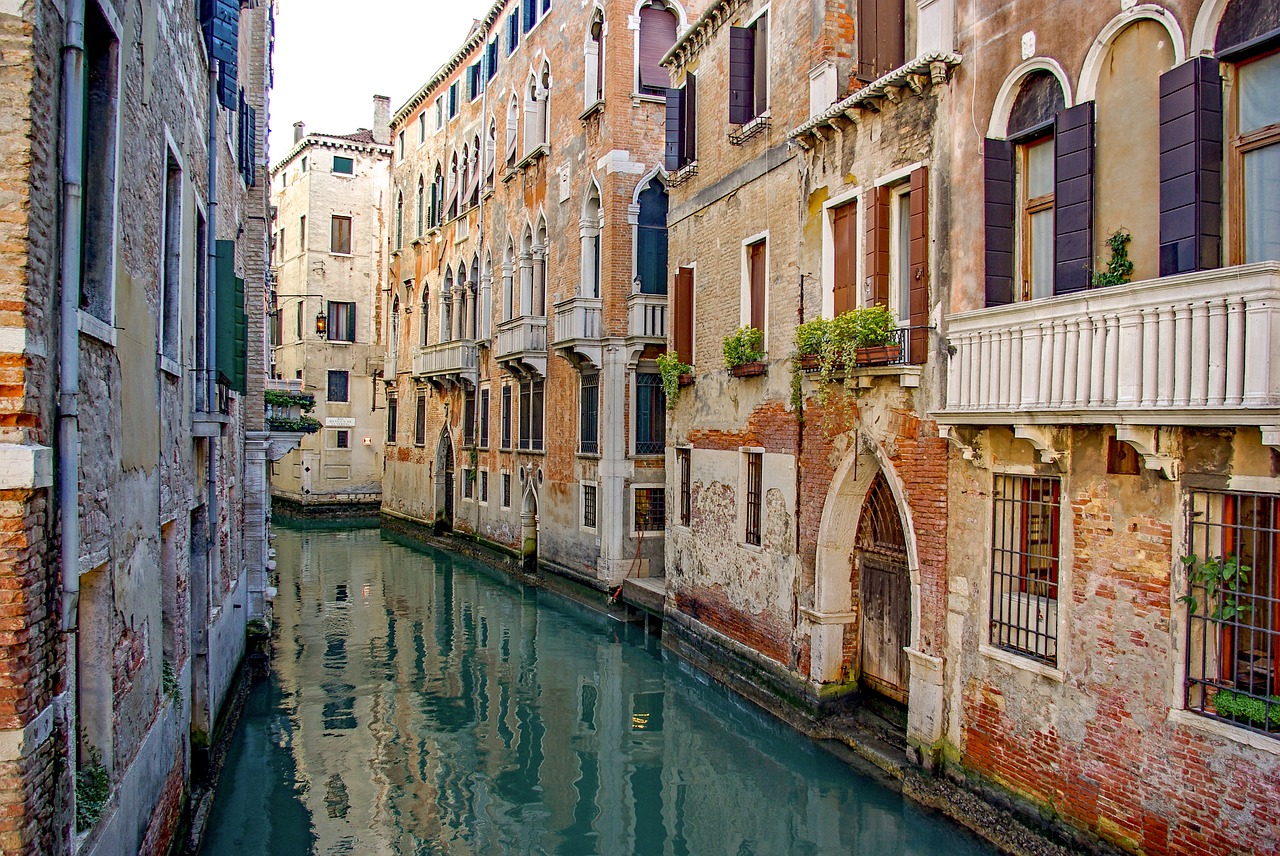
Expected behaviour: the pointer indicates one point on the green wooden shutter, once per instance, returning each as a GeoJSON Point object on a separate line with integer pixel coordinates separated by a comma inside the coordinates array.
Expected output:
{"type": "Point", "coordinates": [232, 322]}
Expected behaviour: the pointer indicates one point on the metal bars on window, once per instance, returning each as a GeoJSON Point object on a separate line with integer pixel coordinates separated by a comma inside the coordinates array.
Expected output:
{"type": "Point", "coordinates": [1026, 515]}
{"type": "Point", "coordinates": [755, 485]}
{"type": "Point", "coordinates": [1232, 595]}
{"type": "Point", "coordinates": [684, 458]}
{"type": "Point", "coordinates": [650, 512]}
{"type": "Point", "coordinates": [589, 415]}
{"type": "Point", "coordinates": [651, 414]}
{"type": "Point", "coordinates": [589, 506]}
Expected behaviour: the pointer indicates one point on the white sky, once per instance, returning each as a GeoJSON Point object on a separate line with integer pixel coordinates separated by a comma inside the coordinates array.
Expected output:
{"type": "Point", "coordinates": [333, 56]}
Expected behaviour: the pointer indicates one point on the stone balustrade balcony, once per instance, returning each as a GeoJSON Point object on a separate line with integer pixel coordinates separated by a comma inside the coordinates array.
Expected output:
{"type": "Point", "coordinates": [579, 329]}
{"type": "Point", "coordinates": [521, 345]}
{"type": "Point", "coordinates": [445, 362]}
{"type": "Point", "coordinates": [647, 318]}
{"type": "Point", "coordinates": [1194, 349]}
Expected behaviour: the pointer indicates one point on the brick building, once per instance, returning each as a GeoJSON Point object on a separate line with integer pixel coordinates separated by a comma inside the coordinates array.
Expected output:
{"type": "Point", "coordinates": [526, 300]}
{"type": "Point", "coordinates": [1113, 407]}
{"type": "Point", "coordinates": [328, 194]}
{"type": "Point", "coordinates": [134, 244]}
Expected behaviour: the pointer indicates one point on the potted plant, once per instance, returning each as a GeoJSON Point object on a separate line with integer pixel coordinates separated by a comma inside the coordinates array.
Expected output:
{"type": "Point", "coordinates": [675, 374]}
{"type": "Point", "coordinates": [744, 352]}
{"type": "Point", "coordinates": [1223, 582]}
{"type": "Point", "coordinates": [874, 332]}
{"type": "Point", "coordinates": [1248, 710]}
{"type": "Point", "coordinates": [812, 339]}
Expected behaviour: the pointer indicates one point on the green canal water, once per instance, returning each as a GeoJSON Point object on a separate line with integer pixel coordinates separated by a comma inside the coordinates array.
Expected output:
{"type": "Point", "coordinates": [418, 703]}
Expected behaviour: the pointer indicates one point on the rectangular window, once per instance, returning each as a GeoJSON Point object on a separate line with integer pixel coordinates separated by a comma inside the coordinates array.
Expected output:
{"type": "Point", "coordinates": [343, 166]}
{"type": "Point", "coordinates": [755, 491]}
{"type": "Point", "coordinates": [650, 510]}
{"type": "Point", "coordinates": [1024, 566]}
{"type": "Point", "coordinates": [506, 418]}
{"type": "Point", "coordinates": [453, 98]}
{"type": "Point", "coordinates": [468, 482]}
{"type": "Point", "coordinates": [749, 71]}
{"type": "Point", "coordinates": [506, 490]}
{"type": "Point", "coordinates": [439, 112]}
{"type": "Point", "coordinates": [589, 506]}
{"type": "Point", "coordinates": [420, 419]}
{"type": "Point", "coordinates": [340, 235]}
{"type": "Point", "coordinates": [342, 439]}
{"type": "Point", "coordinates": [682, 124]}
{"type": "Point", "coordinates": [339, 382]}
{"type": "Point", "coordinates": [171, 273]}
{"type": "Point", "coordinates": [844, 240]}
{"type": "Point", "coordinates": [684, 466]}
{"type": "Point", "coordinates": [469, 417]}
{"type": "Point", "coordinates": [304, 164]}
{"type": "Point", "coordinates": [513, 32]}
{"type": "Point", "coordinates": [484, 485]}
{"type": "Point", "coordinates": [491, 58]}
{"type": "Point", "coordinates": [391, 420]}
{"type": "Point", "coordinates": [531, 402]}
{"type": "Point", "coordinates": [651, 414]}
{"type": "Point", "coordinates": [475, 80]}
{"type": "Point", "coordinates": [484, 418]}
{"type": "Point", "coordinates": [1233, 608]}
{"type": "Point", "coordinates": [400, 146]}
{"type": "Point", "coordinates": [1035, 199]}
{"type": "Point", "coordinates": [302, 233]}
{"type": "Point", "coordinates": [97, 261]}
{"type": "Point", "coordinates": [756, 275]}
{"type": "Point", "coordinates": [589, 414]}
{"type": "Point", "coordinates": [900, 254]}
{"type": "Point", "coordinates": [530, 16]}
{"type": "Point", "coordinates": [341, 325]}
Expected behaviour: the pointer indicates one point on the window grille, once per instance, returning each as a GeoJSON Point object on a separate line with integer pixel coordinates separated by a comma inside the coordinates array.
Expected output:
{"type": "Point", "coordinates": [420, 419]}
{"type": "Point", "coordinates": [468, 483]}
{"type": "Point", "coordinates": [684, 459]}
{"type": "Point", "coordinates": [391, 419]}
{"type": "Point", "coordinates": [469, 417]}
{"type": "Point", "coordinates": [590, 414]}
{"type": "Point", "coordinates": [1232, 594]}
{"type": "Point", "coordinates": [484, 485]}
{"type": "Point", "coordinates": [1024, 566]}
{"type": "Point", "coordinates": [755, 487]}
{"type": "Point", "coordinates": [650, 512]}
{"type": "Point", "coordinates": [651, 414]}
{"type": "Point", "coordinates": [506, 490]}
{"type": "Point", "coordinates": [589, 506]}
{"type": "Point", "coordinates": [339, 385]}
{"type": "Point", "coordinates": [506, 417]}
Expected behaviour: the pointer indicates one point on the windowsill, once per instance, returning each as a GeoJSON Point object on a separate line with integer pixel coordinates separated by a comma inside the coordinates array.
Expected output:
{"type": "Point", "coordinates": [342, 175]}
{"type": "Point", "coordinates": [683, 174]}
{"type": "Point", "coordinates": [591, 456]}
{"type": "Point", "coordinates": [644, 97]}
{"type": "Point", "coordinates": [597, 107]}
{"type": "Point", "coordinates": [647, 533]}
{"type": "Point", "coordinates": [531, 451]}
{"type": "Point", "coordinates": [346, 255]}
{"type": "Point", "coordinates": [532, 157]}
{"type": "Point", "coordinates": [648, 456]}
{"type": "Point", "coordinates": [1010, 659]}
{"type": "Point", "coordinates": [751, 548]}
{"type": "Point", "coordinates": [96, 328]}
{"type": "Point", "coordinates": [170, 366]}
{"type": "Point", "coordinates": [1224, 730]}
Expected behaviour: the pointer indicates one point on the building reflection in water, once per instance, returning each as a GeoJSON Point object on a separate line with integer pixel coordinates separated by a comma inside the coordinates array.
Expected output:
{"type": "Point", "coordinates": [420, 704]}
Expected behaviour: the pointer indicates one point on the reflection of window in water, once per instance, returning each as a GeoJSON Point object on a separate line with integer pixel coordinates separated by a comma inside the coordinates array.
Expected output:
{"type": "Point", "coordinates": [340, 593]}
{"type": "Point", "coordinates": [646, 711]}
{"type": "Point", "coordinates": [587, 708]}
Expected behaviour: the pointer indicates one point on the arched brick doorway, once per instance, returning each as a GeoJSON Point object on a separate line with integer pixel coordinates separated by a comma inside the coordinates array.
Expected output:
{"type": "Point", "coordinates": [881, 575]}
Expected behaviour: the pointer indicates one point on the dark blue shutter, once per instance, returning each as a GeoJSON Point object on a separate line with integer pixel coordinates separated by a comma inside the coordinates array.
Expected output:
{"type": "Point", "coordinates": [689, 121]}
{"type": "Point", "coordinates": [675, 103]}
{"type": "Point", "coordinates": [221, 22]}
{"type": "Point", "coordinates": [998, 211]}
{"type": "Point", "coordinates": [742, 50]}
{"type": "Point", "coordinates": [529, 14]}
{"type": "Point", "coordinates": [1073, 198]}
{"type": "Point", "coordinates": [1191, 167]}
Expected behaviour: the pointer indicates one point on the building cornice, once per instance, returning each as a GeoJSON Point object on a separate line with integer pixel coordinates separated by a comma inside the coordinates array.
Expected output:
{"type": "Point", "coordinates": [700, 32]}
{"type": "Point", "coordinates": [479, 37]}
{"type": "Point", "coordinates": [326, 141]}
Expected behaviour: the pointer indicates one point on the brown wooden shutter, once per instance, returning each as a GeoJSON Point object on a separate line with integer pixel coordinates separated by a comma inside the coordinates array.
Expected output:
{"type": "Point", "coordinates": [881, 29]}
{"type": "Point", "coordinates": [844, 233]}
{"type": "Point", "coordinates": [657, 35]}
{"type": "Point", "coordinates": [1073, 199]}
{"type": "Point", "coordinates": [742, 49]}
{"type": "Point", "coordinates": [1191, 167]}
{"type": "Point", "coordinates": [878, 245]}
{"type": "Point", "coordinates": [675, 113]}
{"type": "Point", "coordinates": [918, 298]}
{"type": "Point", "coordinates": [683, 333]}
{"type": "Point", "coordinates": [998, 188]}
{"type": "Point", "coordinates": [755, 262]}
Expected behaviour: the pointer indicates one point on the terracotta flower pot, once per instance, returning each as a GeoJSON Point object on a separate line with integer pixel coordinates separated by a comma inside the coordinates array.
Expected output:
{"type": "Point", "coordinates": [749, 369]}
{"type": "Point", "coordinates": [685, 379]}
{"type": "Point", "coordinates": [879, 355]}
{"type": "Point", "coordinates": [810, 362]}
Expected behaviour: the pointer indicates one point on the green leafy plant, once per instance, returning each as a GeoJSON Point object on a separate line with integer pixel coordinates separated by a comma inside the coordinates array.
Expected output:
{"type": "Point", "coordinates": [671, 367]}
{"type": "Point", "coordinates": [93, 789]}
{"type": "Point", "coordinates": [873, 325]}
{"type": "Point", "coordinates": [1244, 708]}
{"type": "Point", "coordinates": [1120, 268]}
{"type": "Point", "coordinates": [744, 346]}
{"type": "Point", "coordinates": [303, 424]}
{"type": "Point", "coordinates": [1223, 581]}
{"type": "Point", "coordinates": [169, 680]}
{"type": "Point", "coordinates": [813, 336]}
{"type": "Point", "coordinates": [279, 398]}
{"type": "Point", "coordinates": [473, 458]}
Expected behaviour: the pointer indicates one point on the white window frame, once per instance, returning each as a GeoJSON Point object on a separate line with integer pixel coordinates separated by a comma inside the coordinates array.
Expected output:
{"type": "Point", "coordinates": [633, 24]}
{"type": "Point", "coordinates": [744, 315]}
{"type": "Point", "coordinates": [768, 70]}
{"type": "Point", "coordinates": [632, 489]}
{"type": "Point", "coordinates": [582, 505]}
{"type": "Point", "coordinates": [740, 537]}
{"type": "Point", "coordinates": [852, 196]}
{"type": "Point", "coordinates": [898, 300]}
{"type": "Point", "coordinates": [170, 365]}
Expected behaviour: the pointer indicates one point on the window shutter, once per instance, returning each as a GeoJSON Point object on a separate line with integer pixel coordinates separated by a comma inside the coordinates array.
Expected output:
{"type": "Point", "coordinates": [657, 35]}
{"type": "Point", "coordinates": [232, 348]}
{"type": "Point", "coordinates": [1073, 198]}
{"type": "Point", "coordinates": [919, 291]}
{"type": "Point", "coordinates": [1191, 167]}
{"type": "Point", "coordinates": [742, 48]}
{"type": "Point", "coordinates": [221, 22]}
{"type": "Point", "coordinates": [689, 121]}
{"type": "Point", "coordinates": [998, 189]}
{"type": "Point", "coordinates": [251, 161]}
{"type": "Point", "coordinates": [844, 226]}
{"type": "Point", "coordinates": [878, 245]}
{"type": "Point", "coordinates": [590, 74]}
{"type": "Point", "coordinates": [683, 339]}
{"type": "Point", "coordinates": [511, 136]}
{"type": "Point", "coordinates": [675, 112]}
{"type": "Point", "coordinates": [756, 259]}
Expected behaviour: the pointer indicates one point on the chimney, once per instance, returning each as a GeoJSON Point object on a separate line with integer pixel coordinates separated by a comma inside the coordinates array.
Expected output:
{"type": "Point", "coordinates": [299, 131]}
{"type": "Point", "coordinates": [381, 119]}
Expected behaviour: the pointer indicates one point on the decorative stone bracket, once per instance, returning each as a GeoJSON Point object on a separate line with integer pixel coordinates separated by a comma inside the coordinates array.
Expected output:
{"type": "Point", "coordinates": [1041, 437]}
{"type": "Point", "coordinates": [966, 440]}
{"type": "Point", "coordinates": [1271, 436]}
{"type": "Point", "coordinates": [1145, 439]}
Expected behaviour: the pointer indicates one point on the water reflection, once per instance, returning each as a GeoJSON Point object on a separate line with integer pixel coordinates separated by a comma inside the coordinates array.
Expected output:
{"type": "Point", "coordinates": [419, 705]}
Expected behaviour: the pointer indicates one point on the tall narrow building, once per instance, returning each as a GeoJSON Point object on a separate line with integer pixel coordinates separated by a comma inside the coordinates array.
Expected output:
{"type": "Point", "coordinates": [328, 263]}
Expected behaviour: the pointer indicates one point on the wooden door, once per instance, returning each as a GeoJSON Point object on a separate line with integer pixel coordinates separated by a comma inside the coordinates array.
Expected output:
{"type": "Point", "coordinates": [884, 593]}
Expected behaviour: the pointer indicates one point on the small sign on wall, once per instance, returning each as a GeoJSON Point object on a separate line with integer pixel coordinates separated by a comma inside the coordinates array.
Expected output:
{"type": "Point", "coordinates": [339, 422]}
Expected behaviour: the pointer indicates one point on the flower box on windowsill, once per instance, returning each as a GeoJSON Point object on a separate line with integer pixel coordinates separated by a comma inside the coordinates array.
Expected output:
{"type": "Point", "coordinates": [879, 355]}
{"type": "Point", "coordinates": [685, 380]}
{"type": "Point", "coordinates": [810, 362]}
{"type": "Point", "coordinates": [749, 369]}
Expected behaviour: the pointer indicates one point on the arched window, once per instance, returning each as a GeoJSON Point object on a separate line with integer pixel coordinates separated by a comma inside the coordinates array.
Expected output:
{"type": "Point", "coordinates": [513, 121]}
{"type": "Point", "coordinates": [446, 307]}
{"type": "Point", "coordinates": [486, 296]}
{"type": "Point", "coordinates": [395, 325]}
{"type": "Point", "coordinates": [422, 223]}
{"type": "Point", "coordinates": [540, 269]}
{"type": "Point", "coordinates": [473, 305]}
{"type": "Point", "coordinates": [593, 62]}
{"type": "Point", "coordinates": [437, 196]}
{"type": "Point", "coordinates": [424, 314]}
{"type": "Point", "coordinates": [464, 180]}
{"type": "Point", "coordinates": [591, 224]}
{"type": "Point", "coordinates": [473, 194]}
{"type": "Point", "coordinates": [658, 25]}
{"type": "Point", "coordinates": [399, 219]}
{"type": "Point", "coordinates": [526, 272]}
{"type": "Point", "coordinates": [508, 281]}
{"type": "Point", "coordinates": [451, 204]}
{"type": "Point", "coordinates": [491, 152]}
{"type": "Point", "coordinates": [544, 104]}
{"type": "Point", "coordinates": [651, 238]}
{"type": "Point", "coordinates": [532, 116]}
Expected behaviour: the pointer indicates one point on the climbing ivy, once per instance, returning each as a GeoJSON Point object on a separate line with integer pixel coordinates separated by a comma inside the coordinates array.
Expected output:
{"type": "Point", "coordinates": [1120, 267]}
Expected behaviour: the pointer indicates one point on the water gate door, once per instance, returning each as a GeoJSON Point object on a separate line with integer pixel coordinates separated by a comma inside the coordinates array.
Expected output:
{"type": "Point", "coordinates": [885, 593]}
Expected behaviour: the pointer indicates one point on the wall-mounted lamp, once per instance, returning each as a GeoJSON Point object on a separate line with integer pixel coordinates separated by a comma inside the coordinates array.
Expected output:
{"type": "Point", "coordinates": [322, 324]}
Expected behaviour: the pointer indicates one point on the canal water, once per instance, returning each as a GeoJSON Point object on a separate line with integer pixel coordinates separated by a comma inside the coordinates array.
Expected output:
{"type": "Point", "coordinates": [419, 703]}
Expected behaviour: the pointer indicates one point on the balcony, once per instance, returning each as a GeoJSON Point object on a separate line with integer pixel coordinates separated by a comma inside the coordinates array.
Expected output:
{"type": "Point", "coordinates": [579, 328]}
{"type": "Point", "coordinates": [211, 412]}
{"type": "Point", "coordinates": [522, 345]}
{"type": "Point", "coordinates": [647, 318]}
{"type": "Point", "coordinates": [1194, 349]}
{"type": "Point", "coordinates": [389, 366]}
{"type": "Point", "coordinates": [448, 362]}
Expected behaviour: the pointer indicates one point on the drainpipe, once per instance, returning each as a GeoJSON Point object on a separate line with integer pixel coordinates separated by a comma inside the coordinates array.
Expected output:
{"type": "Point", "coordinates": [68, 459]}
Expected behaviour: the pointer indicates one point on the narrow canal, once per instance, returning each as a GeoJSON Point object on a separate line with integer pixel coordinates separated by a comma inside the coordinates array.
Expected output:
{"type": "Point", "coordinates": [419, 703]}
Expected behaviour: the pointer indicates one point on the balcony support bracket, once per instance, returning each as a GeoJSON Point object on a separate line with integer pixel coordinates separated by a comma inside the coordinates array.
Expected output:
{"type": "Point", "coordinates": [1145, 439]}
{"type": "Point", "coordinates": [1040, 437]}
{"type": "Point", "coordinates": [968, 441]}
{"type": "Point", "coordinates": [1271, 436]}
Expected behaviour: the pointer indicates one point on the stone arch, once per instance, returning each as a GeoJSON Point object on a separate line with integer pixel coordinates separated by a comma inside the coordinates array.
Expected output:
{"type": "Point", "coordinates": [1096, 58]}
{"type": "Point", "coordinates": [529, 518]}
{"type": "Point", "coordinates": [444, 479]}
{"type": "Point", "coordinates": [1008, 94]}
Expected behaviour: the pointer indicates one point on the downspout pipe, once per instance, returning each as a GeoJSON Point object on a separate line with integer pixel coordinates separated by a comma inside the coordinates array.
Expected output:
{"type": "Point", "coordinates": [211, 375]}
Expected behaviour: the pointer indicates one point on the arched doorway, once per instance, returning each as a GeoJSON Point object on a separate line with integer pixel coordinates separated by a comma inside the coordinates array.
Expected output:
{"type": "Point", "coordinates": [444, 482]}
{"type": "Point", "coordinates": [529, 526]}
{"type": "Point", "coordinates": [882, 569]}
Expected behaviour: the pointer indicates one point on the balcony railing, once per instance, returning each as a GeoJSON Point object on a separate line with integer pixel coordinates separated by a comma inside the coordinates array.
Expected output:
{"type": "Point", "coordinates": [647, 316]}
{"type": "Point", "coordinates": [284, 384]}
{"type": "Point", "coordinates": [210, 408]}
{"type": "Point", "coordinates": [522, 342]}
{"type": "Point", "coordinates": [444, 360]}
{"type": "Point", "coordinates": [1202, 347]}
{"type": "Point", "coordinates": [579, 328]}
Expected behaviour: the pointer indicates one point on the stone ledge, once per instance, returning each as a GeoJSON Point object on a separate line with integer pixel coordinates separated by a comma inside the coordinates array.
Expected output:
{"type": "Point", "coordinates": [25, 466]}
